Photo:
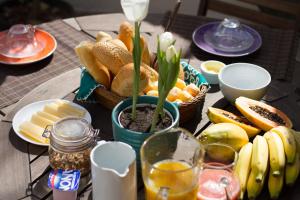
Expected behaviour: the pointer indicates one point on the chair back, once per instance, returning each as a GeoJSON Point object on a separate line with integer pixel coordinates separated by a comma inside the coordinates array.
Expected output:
{"type": "Point", "coordinates": [273, 13]}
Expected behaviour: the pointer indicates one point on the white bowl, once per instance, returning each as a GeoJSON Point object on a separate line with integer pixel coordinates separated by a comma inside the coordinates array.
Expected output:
{"type": "Point", "coordinates": [210, 70]}
{"type": "Point", "coordinates": [243, 79]}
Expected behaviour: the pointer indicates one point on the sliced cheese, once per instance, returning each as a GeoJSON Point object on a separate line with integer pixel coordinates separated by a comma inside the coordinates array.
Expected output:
{"type": "Point", "coordinates": [48, 116]}
{"type": "Point", "coordinates": [68, 108]}
{"type": "Point", "coordinates": [41, 121]}
{"type": "Point", "coordinates": [33, 132]}
{"type": "Point", "coordinates": [52, 109]}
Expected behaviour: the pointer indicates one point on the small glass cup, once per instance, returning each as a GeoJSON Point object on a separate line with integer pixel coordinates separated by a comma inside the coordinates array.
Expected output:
{"type": "Point", "coordinates": [217, 180]}
{"type": "Point", "coordinates": [20, 42]}
{"type": "Point", "coordinates": [171, 163]}
{"type": "Point", "coordinates": [229, 36]}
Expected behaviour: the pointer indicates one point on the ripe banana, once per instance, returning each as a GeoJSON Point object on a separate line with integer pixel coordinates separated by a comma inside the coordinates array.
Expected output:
{"type": "Point", "coordinates": [275, 184]}
{"type": "Point", "coordinates": [288, 141]}
{"type": "Point", "coordinates": [253, 187]}
{"type": "Point", "coordinates": [276, 153]}
{"type": "Point", "coordinates": [242, 168]}
{"type": "Point", "coordinates": [292, 171]}
{"type": "Point", "coordinates": [260, 158]}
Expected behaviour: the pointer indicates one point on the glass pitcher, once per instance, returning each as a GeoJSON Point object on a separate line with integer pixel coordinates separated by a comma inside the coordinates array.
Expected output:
{"type": "Point", "coordinates": [171, 162]}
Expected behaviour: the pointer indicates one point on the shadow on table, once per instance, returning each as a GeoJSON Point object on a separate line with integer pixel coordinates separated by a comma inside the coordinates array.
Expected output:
{"type": "Point", "coordinates": [21, 70]}
{"type": "Point", "coordinates": [213, 89]}
{"type": "Point", "coordinates": [17, 142]}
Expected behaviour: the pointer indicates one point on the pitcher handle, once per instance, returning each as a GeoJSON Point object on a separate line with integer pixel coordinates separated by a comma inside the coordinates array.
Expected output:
{"type": "Point", "coordinates": [162, 194]}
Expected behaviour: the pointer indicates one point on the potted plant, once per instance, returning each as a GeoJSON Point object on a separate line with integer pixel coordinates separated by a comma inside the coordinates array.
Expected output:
{"type": "Point", "coordinates": [136, 118]}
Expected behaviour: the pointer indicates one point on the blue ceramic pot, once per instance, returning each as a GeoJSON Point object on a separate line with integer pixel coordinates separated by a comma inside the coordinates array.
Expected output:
{"type": "Point", "coordinates": [136, 139]}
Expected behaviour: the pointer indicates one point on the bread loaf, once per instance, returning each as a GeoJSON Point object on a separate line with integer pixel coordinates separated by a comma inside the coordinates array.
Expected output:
{"type": "Point", "coordinates": [111, 55]}
{"type": "Point", "coordinates": [122, 84]}
{"type": "Point", "coordinates": [126, 33]}
{"type": "Point", "coordinates": [151, 73]}
{"type": "Point", "coordinates": [119, 43]}
{"type": "Point", "coordinates": [102, 36]}
{"type": "Point", "coordinates": [97, 70]}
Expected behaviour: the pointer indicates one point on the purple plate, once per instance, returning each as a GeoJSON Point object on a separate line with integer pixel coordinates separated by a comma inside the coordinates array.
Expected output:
{"type": "Point", "coordinates": [198, 38]}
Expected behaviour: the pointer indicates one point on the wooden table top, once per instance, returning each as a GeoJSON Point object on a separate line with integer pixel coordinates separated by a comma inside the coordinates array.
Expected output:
{"type": "Point", "coordinates": [23, 163]}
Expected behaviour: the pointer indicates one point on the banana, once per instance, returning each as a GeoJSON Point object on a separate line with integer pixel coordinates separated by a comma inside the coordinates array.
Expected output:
{"type": "Point", "coordinates": [276, 153]}
{"type": "Point", "coordinates": [292, 171]}
{"type": "Point", "coordinates": [275, 184]}
{"type": "Point", "coordinates": [260, 158]}
{"type": "Point", "coordinates": [288, 140]}
{"type": "Point", "coordinates": [253, 187]}
{"type": "Point", "coordinates": [242, 168]}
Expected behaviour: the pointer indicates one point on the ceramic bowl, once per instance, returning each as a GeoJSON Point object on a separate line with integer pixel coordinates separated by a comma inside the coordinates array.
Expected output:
{"type": "Point", "coordinates": [210, 70]}
{"type": "Point", "coordinates": [243, 79]}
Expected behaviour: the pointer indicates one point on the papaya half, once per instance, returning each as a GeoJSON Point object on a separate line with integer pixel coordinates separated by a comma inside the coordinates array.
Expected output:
{"type": "Point", "coordinates": [216, 116]}
{"type": "Point", "coordinates": [262, 115]}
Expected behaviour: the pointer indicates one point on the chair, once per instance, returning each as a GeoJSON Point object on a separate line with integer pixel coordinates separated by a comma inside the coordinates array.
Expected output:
{"type": "Point", "coordinates": [283, 14]}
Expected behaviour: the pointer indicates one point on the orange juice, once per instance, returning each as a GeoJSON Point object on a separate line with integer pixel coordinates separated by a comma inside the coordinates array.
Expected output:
{"type": "Point", "coordinates": [175, 175]}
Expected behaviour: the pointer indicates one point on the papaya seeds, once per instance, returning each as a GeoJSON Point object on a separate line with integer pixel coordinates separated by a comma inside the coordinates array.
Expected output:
{"type": "Point", "coordinates": [267, 114]}
{"type": "Point", "coordinates": [262, 115]}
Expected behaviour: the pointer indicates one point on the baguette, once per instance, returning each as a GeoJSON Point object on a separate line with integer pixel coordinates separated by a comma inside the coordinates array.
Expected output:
{"type": "Point", "coordinates": [97, 70]}
{"type": "Point", "coordinates": [126, 33]}
{"type": "Point", "coordinates": [123, 81]}
{"type": "Point", "coordinates": [111, 55]}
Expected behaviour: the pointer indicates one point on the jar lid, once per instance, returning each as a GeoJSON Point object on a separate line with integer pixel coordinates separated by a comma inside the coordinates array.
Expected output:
{"type": "Point", "coordinates": [71, 134]}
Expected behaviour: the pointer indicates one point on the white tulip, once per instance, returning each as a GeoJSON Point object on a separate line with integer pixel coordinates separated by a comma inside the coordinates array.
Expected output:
{"type": "Point", "coordinates": [165, 39]}
{"type": "Point", "coordinates": [170, 53]}
{"type": "Point", "coordinates": [135, 10]}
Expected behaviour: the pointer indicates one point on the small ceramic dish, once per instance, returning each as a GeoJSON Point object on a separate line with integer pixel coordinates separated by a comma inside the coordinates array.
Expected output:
{"type": "Point", "coordinates": [210, 70]}
{"type": "Point", "coordinates": [244, 79]}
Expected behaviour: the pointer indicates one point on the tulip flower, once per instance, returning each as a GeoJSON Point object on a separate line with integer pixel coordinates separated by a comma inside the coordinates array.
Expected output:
{"type": "Point", "coordinates": [136, 11]}
{"type": "Point", "coordinates": [168, 68]}
{"type": "Point", "coordinates": [166, 39]}
{"type": "Point", "coordinates": [170, 53]}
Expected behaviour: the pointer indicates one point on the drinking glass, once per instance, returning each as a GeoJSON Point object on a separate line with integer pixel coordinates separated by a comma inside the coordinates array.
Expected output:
{"type": "Point", "coordinates": [217, 180]}
{"type": "Point", "coordinates": [20, 42]}
{"type": "Point", "coordinates": [171, 162]}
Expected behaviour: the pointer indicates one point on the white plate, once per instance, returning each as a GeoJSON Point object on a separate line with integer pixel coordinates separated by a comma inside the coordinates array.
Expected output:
{"type": "Point", "coordinates": [26, 112]}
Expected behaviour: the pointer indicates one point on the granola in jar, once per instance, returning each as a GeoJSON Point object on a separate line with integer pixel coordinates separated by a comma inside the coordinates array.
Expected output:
{"type": "Point", "coordinates": [71, 141]}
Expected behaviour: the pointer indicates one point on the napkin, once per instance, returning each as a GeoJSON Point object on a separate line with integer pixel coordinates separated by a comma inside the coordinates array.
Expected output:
{"type": "Point", "coordinates": [88, 83]}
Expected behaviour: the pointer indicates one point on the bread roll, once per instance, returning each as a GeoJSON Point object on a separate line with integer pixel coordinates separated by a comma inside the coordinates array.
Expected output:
{"type": "Point", "coordinates": [111, 55]}
{"type": "Point", "coordinates": [181, 73]}
{"type": "Point", "coordinates": [97, 70]}
{"type": "Point", "coordinates": [123, 81]}
{"type": "Point", "coordinates": [102, 36]}
{"type": "Point", "coordinates": [146, 58]}
{"type": "Point", "coordinates": [126, 34]}
{"type": "Point", "coordinates": [152, 74]}
{"type": "Point", "coordinates": [119, 43]}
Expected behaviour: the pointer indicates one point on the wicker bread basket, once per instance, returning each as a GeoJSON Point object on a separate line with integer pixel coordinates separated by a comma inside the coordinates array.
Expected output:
{"type": "Point", "coordinates": [187, 110]}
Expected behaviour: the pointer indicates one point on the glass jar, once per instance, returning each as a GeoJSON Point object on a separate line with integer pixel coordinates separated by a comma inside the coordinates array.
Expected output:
{"type": "Point", "coordinates": [71, 141]}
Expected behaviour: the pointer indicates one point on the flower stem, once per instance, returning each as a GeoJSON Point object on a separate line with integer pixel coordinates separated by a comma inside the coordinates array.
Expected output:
{"type": "Point", "coordinates": [137, 63]}
{"type": "Point", "coordinates": [157, 112]}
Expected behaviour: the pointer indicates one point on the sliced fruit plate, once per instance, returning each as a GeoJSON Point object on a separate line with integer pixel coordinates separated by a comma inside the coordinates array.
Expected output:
{"type": "Point", "coordinates": [30, 121]}
{"type": "Point", "coordinates": [269, 155]}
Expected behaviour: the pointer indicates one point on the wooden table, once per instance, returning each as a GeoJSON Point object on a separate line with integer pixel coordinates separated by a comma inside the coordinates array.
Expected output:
{"type": "Point", "coordinates": [24, 167]}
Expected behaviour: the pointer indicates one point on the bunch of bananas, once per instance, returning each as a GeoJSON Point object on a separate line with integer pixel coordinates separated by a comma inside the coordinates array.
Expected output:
{"type": "Point", "coordinates": [273, 157]}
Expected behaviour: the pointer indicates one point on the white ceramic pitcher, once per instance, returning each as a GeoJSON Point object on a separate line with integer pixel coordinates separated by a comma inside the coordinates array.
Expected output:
{"type": "Point", "coordinates": [113, 171]}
